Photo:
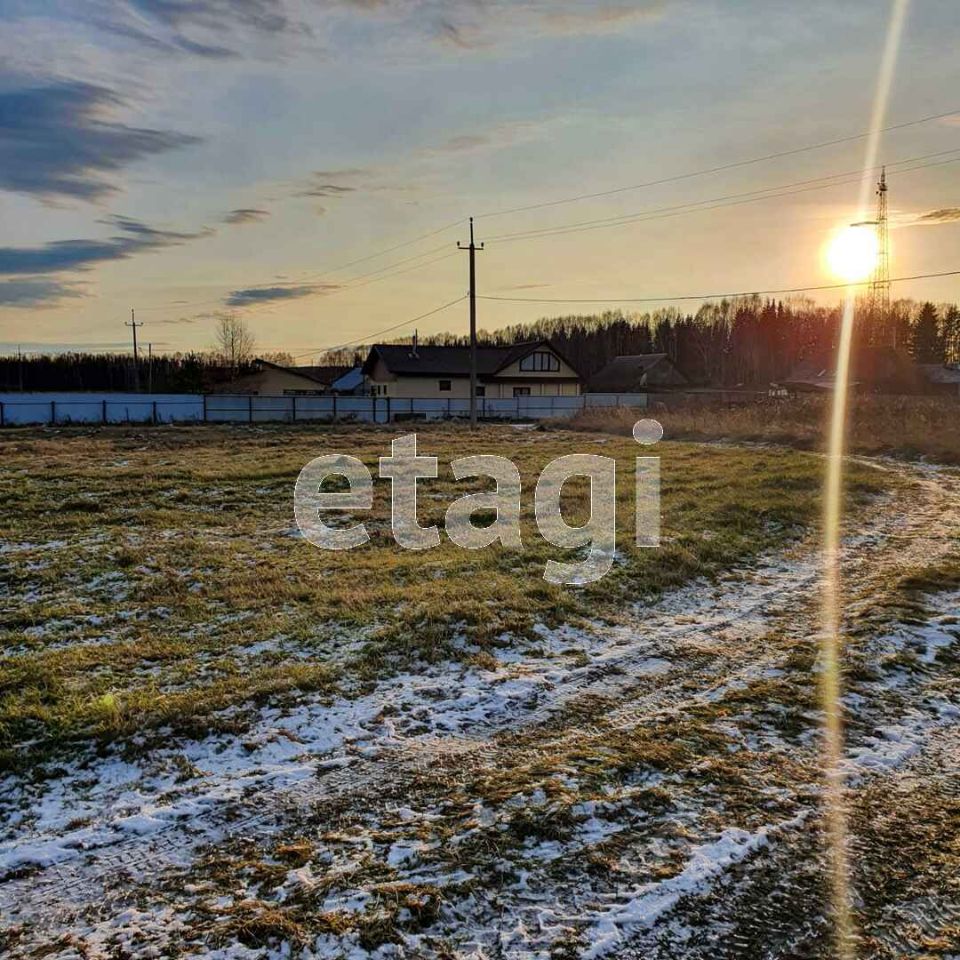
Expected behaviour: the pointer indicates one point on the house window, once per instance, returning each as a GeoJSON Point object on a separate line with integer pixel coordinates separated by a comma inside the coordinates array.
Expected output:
{"type": "Point", "coordinates": [521, 391]}
{"type": "Point", "coordinates": [444, 386]}
{"type": "Point", "coordinates": [481, 391]}
{"type": "Point", "coordinates": [540, 362]}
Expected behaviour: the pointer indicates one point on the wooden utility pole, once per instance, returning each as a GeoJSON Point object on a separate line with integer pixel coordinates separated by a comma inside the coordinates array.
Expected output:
{"type": "Point", "coordinates": [20, 368]}
{"type": "Point", "coordinates": [136, 359]}
{"type": "Point", "coordinates": [473, 248]}
{"type": "Point", "coordinates": [149, 368]}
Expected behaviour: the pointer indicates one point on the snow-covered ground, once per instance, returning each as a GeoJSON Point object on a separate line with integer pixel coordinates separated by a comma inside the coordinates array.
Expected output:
{"type": "Point", "coordinates": [576, 796]}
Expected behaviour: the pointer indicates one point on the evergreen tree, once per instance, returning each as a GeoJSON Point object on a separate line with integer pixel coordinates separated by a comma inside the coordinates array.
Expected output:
{"type": "Point", "coordinates": [926, 345]}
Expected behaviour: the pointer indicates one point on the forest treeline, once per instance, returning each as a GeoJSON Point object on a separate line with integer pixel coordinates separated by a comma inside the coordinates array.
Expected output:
{"type": "Point", "coordinates": [176, 373]}
{"type": "Point", "coordinates": [749, 341]}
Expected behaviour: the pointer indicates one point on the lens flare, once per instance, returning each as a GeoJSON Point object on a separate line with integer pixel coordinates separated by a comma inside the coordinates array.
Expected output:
{"type": "Point", "coordinates": [831, 640]}
{"type": "Point", "coordinates": [852, 253]}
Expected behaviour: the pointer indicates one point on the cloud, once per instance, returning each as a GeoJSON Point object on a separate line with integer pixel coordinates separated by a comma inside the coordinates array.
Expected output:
{"type": "Point", "coordinates": [475, 24]}
{"type": "Point", "coordinates": [39, 346]}
{"type": "Point", "coordinates": [255, 295]}
{"type": "Point", "coordinates": [246, 215]}
{"type": "Point", "coordinates": [261, 15]}
{"type": "Point", "coordinates": [943, 215]}
{"type": "Point", "coordinates": [60, 256]}
{"type": "Point", "coordinates": [501, 135]}
{"type": "Point", "coordinates": [324, 183]}
{"type": "Point", "coordinates": [212, 29]}
{"type": "Point", "coordinates": [55, 141]}
{"type": "Point", "coordinates": [598, 18]}
{"type": "Point", "coordinates": [37, 292]}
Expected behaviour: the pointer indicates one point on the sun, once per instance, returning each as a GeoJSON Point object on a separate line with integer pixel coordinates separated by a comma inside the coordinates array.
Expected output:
{"type": "Point", "coordinates": [852, 253]}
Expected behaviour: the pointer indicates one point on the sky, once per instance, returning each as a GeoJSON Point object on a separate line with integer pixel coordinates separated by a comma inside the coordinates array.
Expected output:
{"type": "Point", "coordinates": [310, 164]}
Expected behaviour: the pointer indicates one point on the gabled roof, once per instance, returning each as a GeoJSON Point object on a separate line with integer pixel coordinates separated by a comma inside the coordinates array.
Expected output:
{"type": "Point", "coordinates": [637, 371]}
{"type": "Point", "coordinates": [871, 367]}
{"type": "Point", "coordinates": [324, 374]}
{"type": "Point", "coordinates": [349, 381]}
{"type": "Point", "coordinates": [402, 360]}
{"type": "Point", "coordinates": [305, 372]}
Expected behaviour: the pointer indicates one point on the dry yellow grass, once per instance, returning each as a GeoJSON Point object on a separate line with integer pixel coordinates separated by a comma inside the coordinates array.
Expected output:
{"type": "Point", "coordinates": [154, 580]}
{"type": "Point", "coordinates": [908, 427]}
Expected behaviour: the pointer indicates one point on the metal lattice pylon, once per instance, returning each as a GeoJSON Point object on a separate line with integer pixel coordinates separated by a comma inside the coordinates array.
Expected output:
{"type": "Point", "coordinates": [880, 284]}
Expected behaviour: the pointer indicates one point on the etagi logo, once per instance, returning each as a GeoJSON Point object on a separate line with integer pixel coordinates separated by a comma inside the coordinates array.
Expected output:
{"type": "Point", "coordinates": [404, 467]}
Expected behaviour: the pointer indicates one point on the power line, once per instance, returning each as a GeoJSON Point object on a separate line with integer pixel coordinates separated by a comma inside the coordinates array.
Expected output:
{"type": "Point", "coordinates": [569, 228]}
{"type": "Point", "coordinates": [378, 333]}
{"type": "Point", "coordinates": [381, 253]}
{"type": "Point", "coordinates": [718, 296]}
{"type": "Point", "coordinates": [717, 169]}
{"type": "Point", "coordinates": [730, 199]}
{"type": "Point", "coordinates": [365, 279]}
{"type": "Point", "coordinates": [353, 283]}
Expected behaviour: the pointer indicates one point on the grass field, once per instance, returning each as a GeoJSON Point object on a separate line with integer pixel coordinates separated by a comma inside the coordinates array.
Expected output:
{"type": "Point", "coordinates": [221, 741]}
{"type": "Point", "coordinates": [157, 578]}
{"type": "Point", "coordinates": [898, 426]}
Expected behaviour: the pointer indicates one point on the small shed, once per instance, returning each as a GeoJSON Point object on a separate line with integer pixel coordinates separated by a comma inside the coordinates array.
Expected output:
{"type": "Point", "coordinates": [942, 378]}
{"type": "Point", "coordinates": [638, 373]}
{"type": "Point", "coordinates": [872, 370]}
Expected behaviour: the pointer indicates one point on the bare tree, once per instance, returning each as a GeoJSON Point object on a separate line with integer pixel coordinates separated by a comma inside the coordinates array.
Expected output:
{"type": "Point", "coordinates": [234, 341]}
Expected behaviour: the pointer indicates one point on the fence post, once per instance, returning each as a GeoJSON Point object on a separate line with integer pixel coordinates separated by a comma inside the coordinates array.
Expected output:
{"type": "Point", "coordinates": [449, 408]}
{"type": "Point", "coordinates": [293, 412]}
{"type": "Point", "coordinates": [204, 408]}
{"type": "Point", "coordinates": [388, 409]}
{"type": "Point", "coordinates": [250, 408]}
{"type": "Point", "coordinates": [103, 411]}
{"type": "Point", "coordinates": [334, 406]}
{"type": "Point", "coordinates": [1, 414]}
{"type": "Point", "coordinates": [53, 411]}
{"type": "Point", "coordinates": [518, 407]}
{"type": "Point", "coordinates": [154, 412]}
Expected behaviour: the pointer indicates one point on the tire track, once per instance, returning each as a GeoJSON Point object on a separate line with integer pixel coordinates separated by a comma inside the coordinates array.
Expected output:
{"type": "Point", "coordinates": [721, 652]}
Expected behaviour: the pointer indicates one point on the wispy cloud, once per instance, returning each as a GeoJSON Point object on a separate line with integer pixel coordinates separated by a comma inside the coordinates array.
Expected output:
{"type": "Point", "coordinates": [475, 24]}
{"type": "Point", "coordinates": [244, 215]}
{"type": "Point", "coordinates": [256, 295]}
{"type": "Point", "coordinates": [213, 29]}
{"type": "Point", "coordinates": [56, 141]}
{"type": "Point", "coordinates": [332, 183]}
{"type": "Point", "coordinates": [60, 346]}
{"type": "Point", "coordinates": [498, 136]}
{"type": "Point", "coordinates": [60, 256]}
{"type": "Point", "coordinates": [943, 215]}
{"type": "Point", "coordinates": [37, 292]}
{"type": "Point", "coordinates": [326, 190]}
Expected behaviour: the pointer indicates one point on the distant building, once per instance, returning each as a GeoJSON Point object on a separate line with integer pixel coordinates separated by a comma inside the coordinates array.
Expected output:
{"type": "Point", "coordinates": [942, 378]}
{"type": "Point", "coordinates": [638, 373]}
{"type": "Point", "coordinates": [872, 370]}
{"type": "Point", "coordinates": [349, 383]}
{"type": "Point", "coordinates": [270, 379]}
{"type": "Point", "coordinates": [535, 369]}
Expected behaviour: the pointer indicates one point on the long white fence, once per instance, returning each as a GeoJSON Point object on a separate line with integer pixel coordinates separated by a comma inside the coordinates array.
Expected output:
{"type": "Point", "coordinates": [65, 408]}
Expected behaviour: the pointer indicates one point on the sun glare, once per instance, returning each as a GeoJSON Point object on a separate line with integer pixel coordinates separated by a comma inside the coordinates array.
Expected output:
{"type": "Point", "coordinates": [852, 253]}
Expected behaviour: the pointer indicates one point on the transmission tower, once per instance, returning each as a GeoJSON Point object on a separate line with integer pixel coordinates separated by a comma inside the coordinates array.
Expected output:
{"type": "Point", "coordinates": [880, 285]}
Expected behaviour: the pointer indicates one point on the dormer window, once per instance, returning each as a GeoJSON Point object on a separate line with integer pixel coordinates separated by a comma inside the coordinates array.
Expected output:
{"type": "Point", "coordinates": [540, 361]}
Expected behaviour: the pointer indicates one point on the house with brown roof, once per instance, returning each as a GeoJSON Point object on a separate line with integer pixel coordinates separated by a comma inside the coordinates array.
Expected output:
{"type": "Point", "coordinates": [533, 369]}
{"type": "Point", "coordinates": [268, 379]}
